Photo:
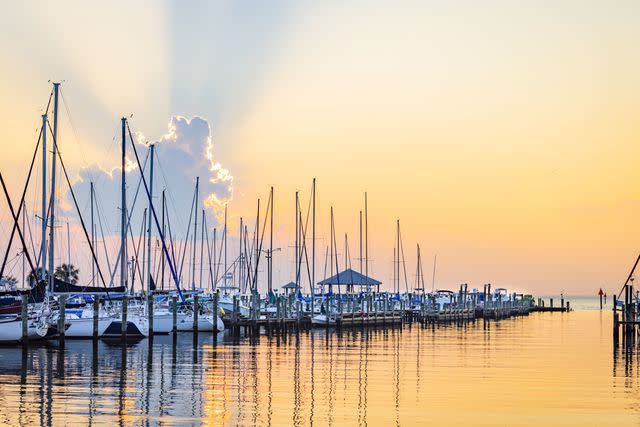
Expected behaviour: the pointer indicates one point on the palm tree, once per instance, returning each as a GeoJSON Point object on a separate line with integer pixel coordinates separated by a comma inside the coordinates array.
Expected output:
{"type": "Point", "coordinates": [35, 275]}
{"type": "Point", "coordinates": [67, 272]}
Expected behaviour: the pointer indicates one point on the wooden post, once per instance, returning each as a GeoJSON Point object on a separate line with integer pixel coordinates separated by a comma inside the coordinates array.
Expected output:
{"type": "Point", "coordinates": [216, 298]}
{"type": "Point", "coordinates": [174, 307]}
{"type": "Point", "coordinates": [96, 314]}
{"type": "Point", "coordinates": [551, 302]}
{"type": "Point", "coordinates": [615, 317]}
{"type": "Point", "coordinates": [568, 307]}
{"type": "Point", "coordinates": [196, 310]}
{"type": "Point", "coordinates": [125, 303]}
{"type": "Point", "coordinates": [24, 316]}
{"type": "Point", "coordinates": [62, 301]}
{"type": "Point", "coordinates": [150, 311]}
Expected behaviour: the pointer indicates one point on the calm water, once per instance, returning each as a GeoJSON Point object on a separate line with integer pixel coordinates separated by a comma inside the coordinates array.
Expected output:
{"type": "Point", "coordinates": [547, 368]}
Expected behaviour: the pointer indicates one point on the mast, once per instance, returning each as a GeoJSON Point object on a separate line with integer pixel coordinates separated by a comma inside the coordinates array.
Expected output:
{"type": "Point", "coordinates": [43, 244]}
{"type": "Point", "coordinates": [398, 255]}
{"type": "Point", "coordinates": [297, 233]}
{"type": "Point", "coordinates": [195, 234]}
{"type": "Point", "coordinates": [270, 264]}
{"type": "Point", "coordinates": [241, 269]}
{"type": "Point", "coordinates": [56, 87]}
{"type": "Point", "coordinates": [360, 242]}
{"type": "Point", "coordinates": [68, 244]}
{"type": "Point", "coordinates": [224, 273]}
{"type": "Point", "coordinates": [24, 218]}
{"type": "Point", "coordinates": [366, 237]}
{"type": "Point", "coordinates": [162, 259]}
{"type": "Point", "coordinates": [150, 229]}
{"type": "Point", "coordinates": [433, 278]}
{"type": "Point", "coordinates": [93, 233]}
{"type": "Point", "coordinates": [123, 211]}
{"type": "Point", "coordinates": [331, 235]}
{"type": "Point", "coordinates": [215, 263]}
{"type": "Point", "coordinates": [255, 278]}
{"type": "Point", "coordinates": [202, 248]}
{"type": "Point", "coordinates": [313, 246]}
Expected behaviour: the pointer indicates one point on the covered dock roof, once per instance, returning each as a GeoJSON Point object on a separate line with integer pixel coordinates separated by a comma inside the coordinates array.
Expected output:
{"type": "Point", "coordinates": [350, 277]}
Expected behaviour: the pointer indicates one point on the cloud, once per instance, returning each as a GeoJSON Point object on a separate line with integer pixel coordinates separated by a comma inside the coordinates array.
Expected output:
{"type": "Point", "coordinates": [185, 152]}
{"type": "Point", "coordinates": [189, 144]}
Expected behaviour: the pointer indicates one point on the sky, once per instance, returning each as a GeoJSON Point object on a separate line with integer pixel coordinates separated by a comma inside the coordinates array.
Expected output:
{"type": "Point", "coordinates": [503, 135]}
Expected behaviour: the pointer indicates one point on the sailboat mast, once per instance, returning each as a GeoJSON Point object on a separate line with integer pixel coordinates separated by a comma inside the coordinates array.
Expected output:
{"type": "Point", "coordinates": [270, 265]}
{"type": "Point", "coordinates": [255, 278]}
{"type": "Point", "coordinates": [150, 229]}
{"type": "Point", "coordinates": [366, 237]}
{"type": "Point", "coordinates": [331, 246]}
{"type": "Point", "coordinates": [398, 255]}
{"type": "Point", "coordinates": [162, 259]}
{"type": "Point", "coordinates": [195, 234]}
{"type": "Point", "coordinates": [123, 211]}
{"type": "Point", "coordinates": [56, 87]}
{"type": "Point", "coordinates": [224, 272]}
{"type": "Point", "coordinates": [215, 262]}
{"type": "Point", "coordinates": [313, 246]}
{"type": "Point", "coordinates": [43, 245]}
{"type": "Point", "coordinates": [297, 233]}
{"type": "Point", "coordinates": [202, 248]}
{"type": "Point", "coordinates": [93, 233]}
{"type": "Point", "coordinates": [241, 269]}
{"type": "Point", "coordinates": [360, 242]}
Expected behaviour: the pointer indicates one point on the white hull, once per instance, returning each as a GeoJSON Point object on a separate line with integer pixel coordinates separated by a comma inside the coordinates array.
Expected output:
{"type": "Point", "coordinates": [83, 327]}
{"type": "Point", "coordinates": [137, 326]}
{"type": "Point", "coordinates": [321, 320]}
{"type": "Point", "coordinates": [163, 321]}
{"type": "Point", "coordinates": [205, 323]}
{"type": "Point", "coordinates": [11, 331]}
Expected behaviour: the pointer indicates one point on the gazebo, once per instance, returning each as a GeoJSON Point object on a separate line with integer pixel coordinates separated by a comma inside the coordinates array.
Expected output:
{"type": "Point", "coordinates": [351, 279]}
{"type": "Point", "coordinates": [290, 287]}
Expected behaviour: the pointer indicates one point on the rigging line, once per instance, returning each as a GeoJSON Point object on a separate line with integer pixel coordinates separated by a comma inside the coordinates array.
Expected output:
{"type": "Point", "coordinates": [75, 202]}
{"type": "Point", "coordinates": [264, 227]}
{"type": "Point", "coordinates": [75, 133]}
{"type": "Point", "coordinates": [404, 266]}
{"type": "Point", "coordinates": [155, 217]}
{"type": "Point", "coordinates": [224, 234]}
{"type": "Point", "coordinates": [630, 276]}
{"type": "Point", "coordinates": [24, 192]}
{"type": "Point", "coordinates": [206, 228]}
{"type": "Point", "coordinates": [306, 256]}
{"type": "Point", "coordinates": [16, 221]}
{"type": "Point", "coordinates": [173, 250]}
{"type": "Point", "coordinates": [184, 243]}
{"type": "Point", "coordinates": [33, 248]}
{"type": "Point", "coordinates": [172, 201]}
{"type": "Point", "coordinates": [136, 249]}
{"type": "Point", "coordinates": [128, 221]}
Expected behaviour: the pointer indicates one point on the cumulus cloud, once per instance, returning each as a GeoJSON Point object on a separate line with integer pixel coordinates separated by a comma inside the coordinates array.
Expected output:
{"type": "Point", "coordinates": [189, 143]}
{"type": "Point", "coordinates": [185, 152]}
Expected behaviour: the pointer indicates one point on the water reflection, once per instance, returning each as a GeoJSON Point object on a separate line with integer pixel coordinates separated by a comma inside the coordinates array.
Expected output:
{"type": "Point", "coordinates": [546, 365]}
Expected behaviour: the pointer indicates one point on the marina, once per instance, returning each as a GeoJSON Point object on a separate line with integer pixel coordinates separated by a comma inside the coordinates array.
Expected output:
{"type": "Point", "coordinates": [319, 213]}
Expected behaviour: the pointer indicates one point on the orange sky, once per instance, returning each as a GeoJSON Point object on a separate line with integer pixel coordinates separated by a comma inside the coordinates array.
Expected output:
{"type": "Point", "coordinates": [504, 137]}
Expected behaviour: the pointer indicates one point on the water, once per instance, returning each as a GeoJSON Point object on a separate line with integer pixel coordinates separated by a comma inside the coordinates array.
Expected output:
{"type": "Point", "coordinates": [551, 368]}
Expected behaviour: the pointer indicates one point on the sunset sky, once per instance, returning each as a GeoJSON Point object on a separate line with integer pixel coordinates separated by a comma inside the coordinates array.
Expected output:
{"type": "Point", "coordinates": [504, 135]}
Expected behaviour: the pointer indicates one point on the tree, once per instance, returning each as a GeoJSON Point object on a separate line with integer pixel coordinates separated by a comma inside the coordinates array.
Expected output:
{"type": "Point", "coordinates": [67, 272]}
{"type": "Point", "coordinates": [9, 282]}
{"type": "Point", "coordinates": [35, 276]}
